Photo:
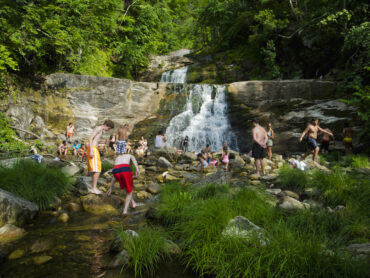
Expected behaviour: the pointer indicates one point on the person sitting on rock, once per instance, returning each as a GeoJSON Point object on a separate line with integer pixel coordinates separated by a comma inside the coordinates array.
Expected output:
{"type": "Point", "coordinates": [76, 146]}
{"type": "Point", "coordinates": [140, 151]}
{"type": "Point", "coordinates": [123, 174]}
{"type": "Point", "coordinates": [62, 149]}
{"type": "Point", "coordinates": [225, 157]}
{"type": "Point", "coordinates": [128, 146]}
{"type": "Point", "coordinates": [208, 152]}
{"type": "Point", "coordinates": [82, 152]}
{"type": "Point", "coordinates": [202, 160]}
{"type": "Point", "coordinates": [160, 139]}
{"type": "Point", "coordinates": [144, 143]}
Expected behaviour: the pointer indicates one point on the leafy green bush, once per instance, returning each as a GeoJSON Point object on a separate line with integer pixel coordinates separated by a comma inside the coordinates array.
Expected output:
{"type": "Point", "coordinates": [359, 161]}
{"type": "Point", "coordinates": [292, 178]}
{"type": "Point", "coordinates": [8, 143]}
{"type": "Point", "coordinates": [146, 251]}
{"type": "Point", "coordinates": [34, 182]}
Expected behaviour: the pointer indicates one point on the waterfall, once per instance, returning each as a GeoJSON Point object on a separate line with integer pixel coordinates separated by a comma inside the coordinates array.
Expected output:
{"type": "Point", "coordinates": [204, 119]}
{"type": "Point", "coordinates": [175, 76]}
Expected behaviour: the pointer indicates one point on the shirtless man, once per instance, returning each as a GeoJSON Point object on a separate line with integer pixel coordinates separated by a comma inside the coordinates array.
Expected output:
{"type": "Point", "coordinates": [69, 132]}
{"type": "Point", "coordinates": [121, 137]}
{"type": "Point", "coordinates": [324, 147]}
{"type": "Point", "coordinates": [123, 174]}
{"type": "Point", "coordinates": [312, 130]}
{"type": "Point", "coordinates": [347, 138]}
{"type": "Point", "coordinates": [259, 146]}
{"type": "Point", "coordinates": [93, 155]}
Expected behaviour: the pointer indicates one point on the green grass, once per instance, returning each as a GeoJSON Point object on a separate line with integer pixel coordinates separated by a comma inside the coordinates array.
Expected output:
{"type": "Point", "coordinates": [298, 246]}
{"type": "Point", "coordinates": [34, 182]}
{"type": "Point", "coordinates": [359, 161]}
{"type": "Point", "coordinates": [147, 251]}
{"type": "Point", "coordinates": [292, 178]}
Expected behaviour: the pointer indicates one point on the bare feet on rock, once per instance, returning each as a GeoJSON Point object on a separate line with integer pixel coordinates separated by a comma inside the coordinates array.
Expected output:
{"type": "Point", "coordinates": [96, 191]}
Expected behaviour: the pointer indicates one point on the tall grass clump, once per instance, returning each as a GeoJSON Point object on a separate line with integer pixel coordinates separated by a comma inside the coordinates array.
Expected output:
{"type": "Point", "coordinates": [359, 161]}
{"type": "Point", "coordinates": [297, 245]}
{"type": "Point", "coordinates": [34, 182]}
{"type": "Point", "coordinates": [147, 251]}
{"type": "Point", "coordinates": [292, 178]}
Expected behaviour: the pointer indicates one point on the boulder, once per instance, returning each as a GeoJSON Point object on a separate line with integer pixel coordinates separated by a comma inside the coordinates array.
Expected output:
{"type": "Point", "coordinates": [116, 245]}
{"type": "Point", "coordinates": [220, 177]}
{"type": "Point", "coordinates": [15, 210]}
{"type": "Point", "coordinates": [83, 184]}
{"type": "Point", "coordinates": [16, 254]}
{"type": "Point", "coordinates": [268, 178]}
{"type": "Point", "coordinates": [236, 163]}
{"type": "Point", "coordinates": [70, 170]}
{"type": "Point", "coordinates": [291, 194]}
{"type": "Point", "coordinates": [144, 195]}
{"type": "Point", "coordinates": [210, 169]}
{"type": "Point", "coordinates": [241, 227]}
{"type": "Point", "coordinates": [63, 218]}
{"type": "Point", "coordinates": [169, 177]}
{"type": "Point", "coordinates": [254, 177]}
{"type": "Point", "coordinates": [53, 163]}
{"type": "Point", "coordinates": [313, 204]}
{"type": "Point", "coordinates": [163, 163]}
{"type": "Point", "coordinates": [190, 177]}
{"type": "Point", "coordinates": [290, 203]}
{"type": "Point", "coordinates": [41, 259]}
{"type": "Point", "coordinates": [75, 207]}
{"type": "Point", "coordinates": [246, 158]}
{"type": "Point", "coordinates": [41, 245]}
{"type": "Point", "coordinates": [120, 259]}
{"type": "Point", "coordinates": [173, 248]}
{"type": "Point", "coordinates": [359, 250]}
{"type": "Point", "coordinates": [9, 233]}
{"type": "Point", "coordinates": [154, 188]}
{"type": "Point", "coordinates": [169, 153]}
{"type": "Point", "coordinates": [188, 157]}
{"type": "Point", "coordinates": [100, 205]}
{"type": "Point", "coordinates": [274, 191]}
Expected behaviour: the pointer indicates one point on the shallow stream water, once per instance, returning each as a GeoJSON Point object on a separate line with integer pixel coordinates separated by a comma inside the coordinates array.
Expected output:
{"type": "Point", "coordinates": [79, 248]}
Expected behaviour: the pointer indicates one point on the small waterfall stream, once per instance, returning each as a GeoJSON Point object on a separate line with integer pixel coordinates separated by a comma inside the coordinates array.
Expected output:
{"type": "Point", "coordinates": [204, 119]}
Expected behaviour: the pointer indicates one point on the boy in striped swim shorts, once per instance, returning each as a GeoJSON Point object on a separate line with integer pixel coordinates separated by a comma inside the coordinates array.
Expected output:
{"type": "Point", "coordinates": [123, 174]}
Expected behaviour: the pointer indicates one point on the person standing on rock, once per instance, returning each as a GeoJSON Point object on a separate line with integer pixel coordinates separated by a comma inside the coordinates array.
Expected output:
{"type": "Point", "coordinates": [121, 139]}
{"type": "Point", "coordinates": [324, 147]}
{"type": "Point", "coordinates": [93, 155]}
{"type": "Point", "coordinates": [123, 174]}
{"type": "Point", "coordinates": [185, 144]}
{"type": "Point", "coordinates": [270, 142]}
{"type": "Point", "coordinates": [312, 129]}
{"type": "Point", "coordinates": [69, 132]}
{"type": "Point", "coordinates": [259, 146]}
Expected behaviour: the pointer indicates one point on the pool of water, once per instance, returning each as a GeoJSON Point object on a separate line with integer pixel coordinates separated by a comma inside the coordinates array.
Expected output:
{"type": "Point", "coordinates": [79, 248]}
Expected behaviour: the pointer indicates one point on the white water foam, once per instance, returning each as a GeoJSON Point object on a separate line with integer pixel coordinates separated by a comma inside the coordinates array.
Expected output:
{"type": "Point", "coordinates": [204, 119]}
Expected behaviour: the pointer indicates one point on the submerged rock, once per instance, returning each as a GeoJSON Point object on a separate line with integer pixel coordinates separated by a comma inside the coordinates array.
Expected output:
{"type": "Point", "coordinates": [241, 227]}
{"type": "Point", "coordinates": [41, 245]}
{"type": "Point", "coordinates": [15, 210]}
{"type": "Point", "coordinates": [63, 218]}
{"type": "Point", "coordinates": [144, 195]}
{"type": "Point", "coordinates": [120, 259]}
{"type": "Point", "coordinates": [9, 233]}
{"type": "Point", "coordinates": [101, 204]}
{"type": "Point", "coordinates": [16, 254]}
{"type": "Point", "coordinates": [41, 259]}
{"type": "Point", "coordinates": [72, 206]}
{"type": "Point", "coordinates": [116, 245]}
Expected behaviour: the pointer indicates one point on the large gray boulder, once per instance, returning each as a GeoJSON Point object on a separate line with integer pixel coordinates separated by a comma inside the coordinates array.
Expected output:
{"type": "Point", "coordinates": [169, 153]}
{"type": "Point", "coordinates": [15, 210]}
{"type": "Point", "coordinates": [241, 227]}
{"type": "Point", "coordinates": [164, 163]}
{"type": "Point", "coordinates": [220, 177]}
{"type": "Point", "coordinates": [71, 170]}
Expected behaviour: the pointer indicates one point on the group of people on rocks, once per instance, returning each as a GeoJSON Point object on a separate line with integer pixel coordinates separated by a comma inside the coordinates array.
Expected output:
{"type": "Point", "coordinates": [262, 143]}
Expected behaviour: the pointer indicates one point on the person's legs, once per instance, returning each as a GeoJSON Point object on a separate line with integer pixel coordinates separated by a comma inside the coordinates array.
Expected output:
{"type": "Point", "coordinates": [95, 177]}
{"type": "Point", "coordinates": [315, 153]}
{"type": "Point", "coordinates": [269, 152]}
{"type": "Point", "coordinates": [227, 166]}
{"type": "Point", "coordinates": [257, 162]}
{"type": "Point", "coordinates": [127, 202]}
{"type": "Point", "coordinates": [263, 166]}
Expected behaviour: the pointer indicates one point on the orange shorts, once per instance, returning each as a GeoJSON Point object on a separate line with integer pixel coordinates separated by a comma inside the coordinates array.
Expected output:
{"type": "Point", "coordinates": [69, 135]}
{"type": "Point", "coordinates": [94, 162]}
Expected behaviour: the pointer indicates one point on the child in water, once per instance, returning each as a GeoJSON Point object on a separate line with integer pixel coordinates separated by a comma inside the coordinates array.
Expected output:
{"type": "Point", "coordinates": [123, 174]}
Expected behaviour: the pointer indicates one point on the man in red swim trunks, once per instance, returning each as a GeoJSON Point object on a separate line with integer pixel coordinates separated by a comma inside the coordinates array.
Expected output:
{"type": "Point", "coordinates": [123, 174]}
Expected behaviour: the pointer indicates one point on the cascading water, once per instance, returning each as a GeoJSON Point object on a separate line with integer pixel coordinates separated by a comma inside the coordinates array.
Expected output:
{"type": "Point", "coordinates": [204, 118]}
{"type": "Point", "coordinates": [175, 76]}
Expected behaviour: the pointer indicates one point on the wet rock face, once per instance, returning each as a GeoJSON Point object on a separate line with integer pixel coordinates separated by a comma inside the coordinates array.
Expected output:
{"type": "Point", "coordinates": [15, 210]}
{"type": "Point", "coordinates": [289, 105]}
